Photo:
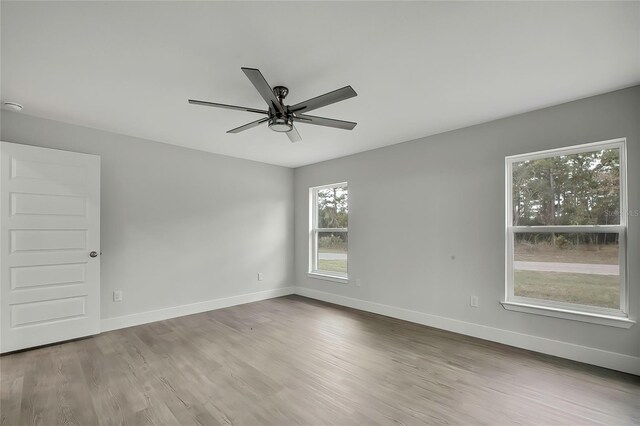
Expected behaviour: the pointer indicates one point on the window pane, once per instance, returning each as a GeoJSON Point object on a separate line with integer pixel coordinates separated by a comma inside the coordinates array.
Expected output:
{"type": "Point", "coordinates": [333, 207]}
{"type": "Point", "coordinates": [580, 268]}
{"type": "Point", "coordinates": [332, 252]}
{"type": "Point", "coordinates": [576, 189]}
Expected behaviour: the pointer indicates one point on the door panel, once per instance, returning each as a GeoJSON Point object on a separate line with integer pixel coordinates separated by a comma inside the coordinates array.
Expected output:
{"type": "Point", "coordinates": [62, 205]}
{"type": "Point", "coordinates": [44, 239]}
{"type": "Point", "coordinates": [46, 170]}
{"type": "Point", "coordinates": [41, 275]}
{"type": "Point", "coordinates": [47, 311]}
{"type": "Point", "coordinates": [49, 223]}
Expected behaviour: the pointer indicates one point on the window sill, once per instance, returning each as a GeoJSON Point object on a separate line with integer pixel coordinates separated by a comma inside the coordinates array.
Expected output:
{"type": "Point", "coordinates": [608, 320]}
{"type": "Point", "coordinates": [327, 277]}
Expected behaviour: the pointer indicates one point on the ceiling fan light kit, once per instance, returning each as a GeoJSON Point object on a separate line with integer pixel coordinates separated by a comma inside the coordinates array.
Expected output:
{"type": "Point", "coordinates": [281, 124]}
{"type": "Point", "coordinates": [280, 117]}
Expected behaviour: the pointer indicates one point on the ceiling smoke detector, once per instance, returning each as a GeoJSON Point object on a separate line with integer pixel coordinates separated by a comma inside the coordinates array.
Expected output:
{"type": "Point", "coordinates": [12, 106]}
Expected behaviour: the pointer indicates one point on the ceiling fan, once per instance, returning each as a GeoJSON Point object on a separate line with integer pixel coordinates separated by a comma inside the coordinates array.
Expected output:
{"type": "Point", "coordinates": [280, 117]}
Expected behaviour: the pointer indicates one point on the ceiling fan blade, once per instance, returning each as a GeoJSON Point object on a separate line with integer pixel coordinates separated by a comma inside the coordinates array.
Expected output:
{"type": "Point", "coordinates": [249, 125]}
{"type": "Point", "coordinates": [321, 121]}
{"type": "Point", "coordinates": [263, 88]}
{"type": "Point", "coordinates": [324, 100]}
{"type": "Point", "coordinates": [293, 134]}
{"type": "Point", "coordinates": [239, 108]}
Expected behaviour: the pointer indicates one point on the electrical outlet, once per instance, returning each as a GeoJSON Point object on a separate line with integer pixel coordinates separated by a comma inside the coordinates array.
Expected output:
{"type": "Point", "coordinates": [358, 282]}
{"type": "Point", "coordinates": [474, 302]}
{"type": "Point", "coordinates": [117, 296]}
{"type": "Point", "coordinates": [260, 276]}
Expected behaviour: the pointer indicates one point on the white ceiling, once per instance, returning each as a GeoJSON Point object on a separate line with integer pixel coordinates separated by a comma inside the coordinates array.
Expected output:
{"type": "Point", "coordinates": [419, 68]}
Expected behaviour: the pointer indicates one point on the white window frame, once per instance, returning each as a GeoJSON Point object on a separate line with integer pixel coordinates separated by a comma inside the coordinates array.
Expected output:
{"type": "Point", "coordinates": [314, 272]}
{"type": "Point", "coordinates": [594, 314]}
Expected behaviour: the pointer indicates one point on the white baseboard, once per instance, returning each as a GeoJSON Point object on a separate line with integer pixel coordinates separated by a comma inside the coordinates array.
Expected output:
{"type": "Point", "coordinates": [612, 360]}
{"type": "Point", "coordinates": [108, 324]}
{"type": "Point", "coordinates": [599, 357]}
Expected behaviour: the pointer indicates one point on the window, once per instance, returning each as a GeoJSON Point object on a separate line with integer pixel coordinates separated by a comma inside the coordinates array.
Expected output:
{"type": "Point", "coordinates": [565, 232]}
{"type": "Point", "coordinates": [329, 236]}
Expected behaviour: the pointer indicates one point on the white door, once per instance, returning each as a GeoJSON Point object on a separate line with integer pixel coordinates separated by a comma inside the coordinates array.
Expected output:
{"type": "Point", "coordinates": [50, 231]}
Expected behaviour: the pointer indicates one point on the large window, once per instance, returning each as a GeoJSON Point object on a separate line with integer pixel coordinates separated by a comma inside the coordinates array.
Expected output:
{"type": "Point", "coordinates": [565, 232]}
{"type": "Point", "coordinates": [329, 236]}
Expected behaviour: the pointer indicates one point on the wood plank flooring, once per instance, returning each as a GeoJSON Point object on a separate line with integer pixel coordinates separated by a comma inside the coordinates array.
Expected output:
{"type": "Point", "coordinates": [296, 361]}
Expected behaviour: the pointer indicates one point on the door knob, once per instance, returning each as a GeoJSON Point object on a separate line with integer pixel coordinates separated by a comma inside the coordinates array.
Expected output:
{"type": "Point", "coordinates": [93, 254]}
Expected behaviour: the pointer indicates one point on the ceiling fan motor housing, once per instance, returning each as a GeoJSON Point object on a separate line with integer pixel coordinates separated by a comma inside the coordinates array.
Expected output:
{"type": "Point", "coordinates": [280, 122]}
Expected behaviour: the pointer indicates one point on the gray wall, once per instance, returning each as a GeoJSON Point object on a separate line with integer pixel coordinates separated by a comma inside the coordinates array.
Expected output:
{"type": "Point", "coordinates": [178, 226]}
{"type": "Point", "coordinates": [447, 243]}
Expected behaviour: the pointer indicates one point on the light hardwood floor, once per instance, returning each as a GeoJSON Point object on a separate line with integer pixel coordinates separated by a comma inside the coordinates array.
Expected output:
{"type": "Point", "coordinates": [293, 360]}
